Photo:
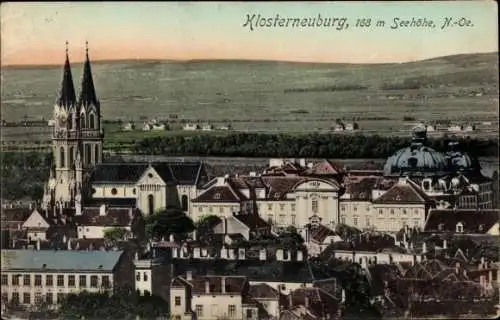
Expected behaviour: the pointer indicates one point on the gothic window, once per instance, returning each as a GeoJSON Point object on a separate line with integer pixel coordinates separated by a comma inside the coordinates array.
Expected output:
{"type": "Point", "coordinates": [96, 154]}
{"type": "Point", "coordinates": [82, 121]}
{"type": "Point", "coordinates": [184, 202]}
{"type": "Point", "coordinates": [71, 156]}
{"type": "Point", "coordinates": [92, 124]}
{"type": "Point", "coordinates": [88, 153]}
{"type": "Point", "coordinates": [62, 158]}
{"type": "Point", "coordinates": [70, 120]}
{"type": "Point", "coordinates": [151, 204]}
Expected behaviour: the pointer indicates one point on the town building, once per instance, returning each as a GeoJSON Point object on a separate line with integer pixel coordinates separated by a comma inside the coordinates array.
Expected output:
{"type": "Point", "coordinates": [32, 277]}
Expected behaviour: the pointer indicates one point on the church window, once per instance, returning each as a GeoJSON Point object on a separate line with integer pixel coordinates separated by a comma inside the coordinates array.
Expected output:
{"type": "Point", "coordinates": [88, 153]}
{"type": "Point", "coordinates": [113, 191]}
{"type": "Point", "coordinates": [96, 154]}
{"type": "Point", "coordinates": [62, 160]}
{"type": "Point", "coordinates": [82, 120]}
{"type": "Point", "coordinates": [314, 205]}
{"type": "Point", "coordinates": [92, 124]}
{"type": "Point", "coordinates": [71, 156]}
{"type": "Point", "coordinates": [150, 175]}
{"type": "Point", "coordinates": [184, 202]}
{"type": "Point", "coordinates": [151, 204]}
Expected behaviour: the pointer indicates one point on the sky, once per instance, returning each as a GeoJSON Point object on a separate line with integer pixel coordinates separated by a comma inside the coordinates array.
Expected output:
{"type": "Point", "coordinates": [35, 33]}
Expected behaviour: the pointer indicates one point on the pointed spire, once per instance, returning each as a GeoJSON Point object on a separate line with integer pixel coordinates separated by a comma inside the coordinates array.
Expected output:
{"type": "Point", "coordinates": [67, 96]}
{"type": "Point", "coordinates": [87, 94]}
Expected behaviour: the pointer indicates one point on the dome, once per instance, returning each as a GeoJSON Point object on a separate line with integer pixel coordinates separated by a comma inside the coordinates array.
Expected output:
{"type": "Point", "coordinates": [460, 161]}
{"type": "Point", "coordinates": [417, 158]}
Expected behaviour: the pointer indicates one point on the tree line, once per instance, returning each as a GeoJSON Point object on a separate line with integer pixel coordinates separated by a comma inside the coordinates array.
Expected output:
{"type": "Point", "coordinates": [313, 145]}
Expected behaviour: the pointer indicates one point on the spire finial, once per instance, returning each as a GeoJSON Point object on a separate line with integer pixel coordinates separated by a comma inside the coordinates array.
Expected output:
{"type": "Point", "coordinates": [86, 47]}
{"type": "Point", "coordinates": [67, 43]}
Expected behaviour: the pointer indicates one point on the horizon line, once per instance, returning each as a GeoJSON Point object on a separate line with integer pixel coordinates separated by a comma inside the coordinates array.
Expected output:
{"type": "Point", "coordinates": [163, 60]}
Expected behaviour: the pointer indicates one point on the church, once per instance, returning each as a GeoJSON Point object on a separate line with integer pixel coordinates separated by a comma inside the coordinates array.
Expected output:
{"type": "Point", "coordinates": [79, 177]}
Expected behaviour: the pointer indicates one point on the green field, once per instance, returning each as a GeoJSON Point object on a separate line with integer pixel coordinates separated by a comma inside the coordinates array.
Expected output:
{"type": "Point", "coordinates": [266, 96]}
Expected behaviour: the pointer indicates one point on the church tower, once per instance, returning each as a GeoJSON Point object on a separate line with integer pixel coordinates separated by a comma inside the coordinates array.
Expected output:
{"type": "Point", "coordinates": [76, 139]}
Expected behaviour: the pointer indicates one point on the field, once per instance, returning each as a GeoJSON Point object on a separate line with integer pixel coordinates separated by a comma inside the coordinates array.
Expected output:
{"type": "Point", "coordinates": [268, 96]}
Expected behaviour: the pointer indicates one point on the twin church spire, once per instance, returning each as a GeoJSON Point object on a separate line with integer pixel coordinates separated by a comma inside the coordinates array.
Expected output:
{"type": "Point", "coordinates": [87, 95]}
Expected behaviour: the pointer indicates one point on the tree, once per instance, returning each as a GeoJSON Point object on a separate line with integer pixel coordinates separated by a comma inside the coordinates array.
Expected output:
{"type": "Point", "coordinates": [205, 224]}
{"type": "Point", "coordinates": [115, 234]}
{"type": "Point", "coordinates": [166, 222]}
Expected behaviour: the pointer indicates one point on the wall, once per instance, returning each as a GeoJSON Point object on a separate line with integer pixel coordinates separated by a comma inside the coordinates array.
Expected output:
{"type": "Point", "coordinates": [94, 232]}
{"type": "Point", "coordinates": [221, 209]}
{"type": "Point", "coordinates": [123, 190]}
{"type": "Point", "coordinates": [288, 285]}
{"type": "Point", "coordinates": [390, 217]}
{"type": "Point", "coordinates": [356, 213]}
{"type": "Point", "coordinates": [217, 306]}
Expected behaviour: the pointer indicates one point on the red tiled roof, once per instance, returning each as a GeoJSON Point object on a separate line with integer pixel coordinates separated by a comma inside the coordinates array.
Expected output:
{"type": "Point", "coordinates": [407, 193]}
{"type": "Point", "coordinates": [473, 221]}
{"type": "Point", "coordinates": [220, 194]}
{"type": "Point", "coordinates": [278, 187]}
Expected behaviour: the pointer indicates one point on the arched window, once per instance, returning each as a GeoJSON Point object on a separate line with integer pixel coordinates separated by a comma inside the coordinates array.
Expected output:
{"type": "Point", "coordinates": [184, 203]}
{"type": "Point", "coordinates": [92, 121]}
{"type": "Point", "coordinates": [314, 205]}
{"type": "Point", "coordinates": [62, 158]}
{"type": "Point", "coordinates": [70, 120]}
{"type": "Point", "coordinates": [82, 121]}
{"type": "Point", "coordinates": [88, 153]}
{"type": "Point", "coordinates": [96, 154]}
{"type": "Point", "coordinates": [71, 156]}
{"type": "Point", "coordinates": [151, 204]}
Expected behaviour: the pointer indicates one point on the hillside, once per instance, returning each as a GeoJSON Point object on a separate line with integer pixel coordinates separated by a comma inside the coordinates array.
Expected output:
{"type": "Point", "coordinates": [264, 95]}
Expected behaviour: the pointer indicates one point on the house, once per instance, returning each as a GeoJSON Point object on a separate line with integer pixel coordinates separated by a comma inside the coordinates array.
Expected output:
{"type": "Point", "coordinates": [464, 221]}
{"type": "Point", "coordinates": [226, 127]}
{"type": "Point", "coordinates": [318, 237]}
{"type": "Point", "coordinates": [455, 128]}
{"type": "Point", "coordinates": [404, 204]}
{"type": "Point", "coordinates": [267, 297]}
{"type": "Point", "coordinates": [191, 127]}
{"type": "Point", "coordinates": [310, 303]}
{"type": "Point", "coordinates": [210, 297]}
{"type": "Point", "coordinates": [30, 277]}
{"type": "Point", "coordinates": [207, 127]}
{"type": "Point", "coordinates": [45, 226]}
{"type": "Point", "coordinates": [147, 127]}
{"type": "Point", "coordinates": [339, 127]}
{"type": "Point", "coordinates": [248, 225]}
{"type": "Point", "coordinates": [152, 274]}
{"type": "Point", "coordinates": [92, 222]}
{"type": "Point", "coordinates": [351, 126]}
{"type": "Point", "coordinates": [159, 127]}
{"type": "Point", "coordinates": [12, 220]}
{"type": "Point", "coordinates": [469, 128]}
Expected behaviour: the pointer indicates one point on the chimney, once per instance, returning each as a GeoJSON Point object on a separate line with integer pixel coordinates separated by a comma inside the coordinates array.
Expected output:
{"type": "Point", "coordinates": [102, 210]}
{"type": "Point", "coordinates": [263, 254]}
{"type": "Point", "coordinates": [54, 211]}
{"type": "Point", "coordinates": [207, 286]}
{"type": "Point", "coordinates": [69, 244]}
{"type": "Point", "coordinates": [38, 244]}
{"type": "Point", "coordinates": [78, 209]}
{"type": "Point", "coordinates": [189, 275]}
{"type": "Point", "coordinates": [131, 214]}
{"type": "Point", "coordinates": [424, 248]}
{"type": "Point", "coordinates": [290, 300]}
{"type": "Point", "coordinates": [445, 244]}
{"type": "Point", "coordinates": [136, 255]}
{"type": "Point", "coordinates": [64, 239]}
{"type": "Point", "coordinates": [343, 296]}
{"type": "Point", "coordinates": [172, 239]}
{"type": "Point", "coordinates": [306, 301]}
{"type": "Point", "coordinates": [457, 267]}
{"type": "Point", "coordinates": [300, 255]}
{"type": "Point", "coordinates": [223, 284]}
{"type": "Point", "coordinates": [194, 235]}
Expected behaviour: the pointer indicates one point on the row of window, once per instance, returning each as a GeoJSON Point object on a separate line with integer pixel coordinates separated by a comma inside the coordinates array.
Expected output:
{"type": "Point", "coordinates": [282, 219]}
{"type": "Point", "coordinates": [221, 209]}
{"type": "Point", "coordinates": [59, 280]}
{"type": "Point", "coordinates": [199, 310]}
{"type": "Point", "coordinates": [39, 298]}
{"type": "Point", "coordinates": [87, 155]}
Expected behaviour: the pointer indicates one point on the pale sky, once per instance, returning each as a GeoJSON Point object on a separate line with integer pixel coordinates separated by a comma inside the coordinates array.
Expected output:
{"type": "Point", "coordinates": [35, 33]}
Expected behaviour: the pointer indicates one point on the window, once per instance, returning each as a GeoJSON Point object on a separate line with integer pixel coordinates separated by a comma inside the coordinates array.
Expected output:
{"type": "Point", "coordinates": [26, 298]}
{"type": "Point", "coordinates": [38, 280]}
{"type": "Point", "coordinates": [232, 311]}
{"type": "Point", "coordinates": [71, 281]}
{"type": "Point", "coordinates": [249, 313]}
{"type": "Point", "coordinates": [151, 204]}
{"type": "Point", "coordinates": [380, 211]}
{"type": "Point", "coordinates": [15, 279]}
{"type": "Point", "coordinates": [62, 160]}
{"type": "Point", "coordinates": [96, 154]}
{"type": "Point", "coordinates": [200, 209]}
{"type": "Point", "coordinates": [342, 219]}
{"type": "Point", "coordinates": [71, 155]}
{"type": "Point", "coordinates": [184, 202]}
{"type": "Point", "coordinates": [314, 205]}
{"type": "Point", "coordinates": [105, 282]}
{"type": "Point", "coordinates": [60, 297]}
{"type": "Point", "coordinates": [113, 191]}
{"type": "Point", "coordinates": [460, 227]}
{"type": "Point", "coordinates": [60, 280]}
{"type": "Point", "coordinates": [293, 206]}
{"type": "Point", "coordinates": [392, 211]}
{"type": "Point", "coordinates": [138, 276]}
{"type": "Point", "coordinates": [27, 280]}
{"type": "Point", "coordinates": [145, 276]}
{"type": "Point", "coordinates": [5, 279]}
{"type": "Point", "coordinates": [441, 226]}
{"type": "Point", "coordinates": [15, 297]}
{"type": "Point", "coordinates": [38, 298]}
{"type": "Point", "coordinates": [49, 297]}
{"type": "Point", "coordinates": [88, 153]}
{"type": "Point", "coordinates": [342, 208]}
{"type": "Point", "coordinates": [177, 301]}
{"type": "Point", "coordinates": [355, 221]}
{"type": "Point", "coordinates": [199, 310]}
{"type": "Point", "coordinates": [82, 281]}
{"type": "Point", "coordinates": [221, 209]}
{"type": "Point", "coordinates": [217, 196]}
{"type": "Point", "coordinates": [355, 208]}
{"type": "Point", "coordinates": [92, 124]}
{"type": "Point", "coordinates": [269, 206]}
{"type": "Point", "coordinates": [177, 317]}
{"type": "Point", "coordinates": [49, 281]}
{"type": "Point", "coordinates": [210, 209]}
{"type": "Point", "coordinates": [134, 191]}
{"type": "Point", "coordinates": [93, 281]}
{"type": "Point", "coordinates": [282, 207]}
{"type": "Point", "coordinates": [367, 221]}
{"type": "Point", "coordinates": [282, 219]}
{"type": "Point", "coordinates": [293, 219]}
